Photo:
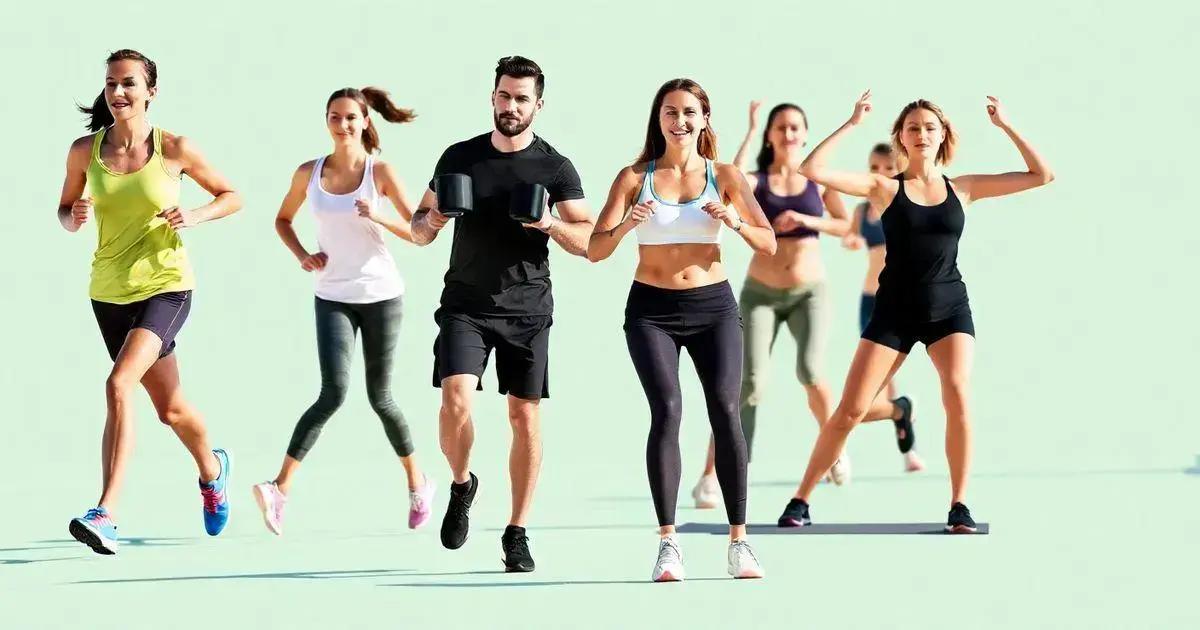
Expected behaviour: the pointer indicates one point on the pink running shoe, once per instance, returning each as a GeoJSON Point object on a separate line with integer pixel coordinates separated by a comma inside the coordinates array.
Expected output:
{"type": "Point", "coordinates": [271, 501]}
{"type": "Point", "coordinates": [419, 502]}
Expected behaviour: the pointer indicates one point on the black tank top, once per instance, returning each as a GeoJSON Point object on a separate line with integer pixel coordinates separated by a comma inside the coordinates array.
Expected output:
{"type": "Point", "coordinates": [920, 281]}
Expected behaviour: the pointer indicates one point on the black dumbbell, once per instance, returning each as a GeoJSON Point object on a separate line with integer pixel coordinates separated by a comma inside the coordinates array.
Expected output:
{"type": "Point", "coordinates": [454, 196]}
{"type": "Point", "coordinates": [528, 203]}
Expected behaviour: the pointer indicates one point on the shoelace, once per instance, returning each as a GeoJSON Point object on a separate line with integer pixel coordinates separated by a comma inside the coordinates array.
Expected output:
{"type": "Point", "coordinates": [668, 552]}
{"type": "Point", "coordinates": [97, 516]}
{"type": "Point", "coordinates": [516, 543]}
{"type": "Point", "coordinates": [960, 511]}
{"type": "Point", "coordinates": [415, 502]}
{"type": "Point", "coordinates": [742, 548]}
{"type": "Point", "coordinates": [212, 498]}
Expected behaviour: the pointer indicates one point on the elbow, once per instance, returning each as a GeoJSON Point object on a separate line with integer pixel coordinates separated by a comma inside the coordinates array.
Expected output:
{"type": "Point", "coordinates": [768, 248]}
{"type": "Point", "coordinates": [1047, 176]}
{"type": "Point", "coordinates": [595, 253]}
{"type": "Point", "coordinates": [808, 170]}
{"type": "Point", "coordinates": [233, 201]}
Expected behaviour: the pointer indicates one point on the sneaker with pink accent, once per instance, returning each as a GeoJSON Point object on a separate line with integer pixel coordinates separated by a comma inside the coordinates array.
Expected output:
{"type": "Point", "coordinates": [419, 501]}
{"type": "Point", "coordinates": [271, 502]}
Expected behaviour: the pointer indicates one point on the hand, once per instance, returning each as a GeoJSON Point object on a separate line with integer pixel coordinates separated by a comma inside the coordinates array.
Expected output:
{"type": "Point", "coordinates": [789, 220]}
{"type": "Point", "coordinates": [754, 105]}
{"type": "Point", "coordinates": [862, 107]}
{"type": "Point", "coordinates": [177, 219]}
{"type": "Point", "coordinates": [314, 262]}
{"type": "Point", "coordinates": [642, 212]}
{"type": "Point", "coordinates": [366, 209]}
{"type": "Point", "coordinates": [435, 219]}
{"type": "Point", "coordinates": [80, 211]}
{"type": "Point", "coordinates": [997, 113]}
{"type": "Point", "coordinates": [544, 223]}
{"type": "Point", "coordinates": [854, 242]}
{"type": "Point", "coordinates": [725, 214]}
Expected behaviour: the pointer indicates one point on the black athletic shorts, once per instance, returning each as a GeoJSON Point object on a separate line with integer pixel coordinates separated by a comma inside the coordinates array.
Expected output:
{"type": "Point", "coordinates": [522, 347]}
{"type": "Point", "coordinates": [891, 331]}
{"type": "Point", "coordinates": [161, 314]}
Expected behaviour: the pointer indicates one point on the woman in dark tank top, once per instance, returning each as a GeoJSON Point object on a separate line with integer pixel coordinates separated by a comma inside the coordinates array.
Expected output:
{"type": "Point", "coordinates": [922, 296]}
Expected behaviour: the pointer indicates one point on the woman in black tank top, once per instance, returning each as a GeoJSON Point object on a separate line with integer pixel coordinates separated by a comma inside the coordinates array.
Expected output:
{"type": "Point", "coordinates": [921, 295]}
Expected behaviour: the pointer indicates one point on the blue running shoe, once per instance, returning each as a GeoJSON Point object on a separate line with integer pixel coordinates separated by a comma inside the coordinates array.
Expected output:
{"type": "Point", "coordinates": [96, 530]}
{"type": "Point", "coordinates": [216, 501]}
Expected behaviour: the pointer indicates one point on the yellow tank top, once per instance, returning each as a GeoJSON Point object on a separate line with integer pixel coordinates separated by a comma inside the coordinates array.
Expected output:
{"type": "Point", "coordinates": [138, 255]}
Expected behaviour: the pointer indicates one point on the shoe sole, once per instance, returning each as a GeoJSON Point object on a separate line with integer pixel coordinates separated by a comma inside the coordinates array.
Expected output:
{"type": "Point", "coordinates": [961, 529]}
{"type": "Point", "coordinates": [705, 505]}
{"type": "Point", "coordinates": [748, 575]}
{"type": "Point", "coordinates": [261, 499]}
{"type": "Point", "coordinates": [667, 576]}
{"type": "Point", "coordinates": [791, 522]}
{"type": "Point", "coordinates": [516, 569]}
{"type": "Point", "coordinates": [89, 537]}
{"type": "Point", "coordinates": [227, 473]}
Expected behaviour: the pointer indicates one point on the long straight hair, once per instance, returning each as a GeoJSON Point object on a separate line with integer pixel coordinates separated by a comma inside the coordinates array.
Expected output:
{"type": "Point", "coordinates": [98, 114]}
{"type": "Point", "coordinates": [378, 100]}
{"type": "Point", "coordinates": [656, 144]}
{"type": "Point", "coordinates": [766, 153]}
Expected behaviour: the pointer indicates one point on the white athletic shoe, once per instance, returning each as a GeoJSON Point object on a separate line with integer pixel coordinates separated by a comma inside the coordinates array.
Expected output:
{"type": "Point", "coordinates": [669, 567]}
{"type": "Point", "coordinates": [840, 471]}
{"type": "Point", "coordinates": [742, 562]}
{"type": "Point", "coordinates": [271, 502]}
{"type": "Point", "coordinates": [707, 493]}
{"type": "Point", "coordinates": [913, 462]}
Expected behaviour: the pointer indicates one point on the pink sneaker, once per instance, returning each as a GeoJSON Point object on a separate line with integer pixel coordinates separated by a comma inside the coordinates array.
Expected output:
{"type": "Point", "coordinates": [419, 502]}
{"type": "Point", "coordinates": [271, 501]}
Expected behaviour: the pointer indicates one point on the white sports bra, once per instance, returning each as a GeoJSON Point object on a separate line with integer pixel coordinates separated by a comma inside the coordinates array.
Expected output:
{"type": "Point", "coordinates": [674, 223]}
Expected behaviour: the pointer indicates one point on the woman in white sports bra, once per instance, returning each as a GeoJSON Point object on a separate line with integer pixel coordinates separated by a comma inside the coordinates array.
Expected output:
{"type": "Point", "coordinates": [357, 286]}
{"type": "Point", "coordinates": [675, 198]}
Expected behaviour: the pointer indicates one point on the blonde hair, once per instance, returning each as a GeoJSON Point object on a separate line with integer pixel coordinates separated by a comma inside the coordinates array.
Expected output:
{"type": "Point", "coordinates": [945, 153]}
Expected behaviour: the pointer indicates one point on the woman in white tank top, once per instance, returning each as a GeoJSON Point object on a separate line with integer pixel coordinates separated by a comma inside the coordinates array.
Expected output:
{"type": "Point", "coordinates": [675, 199]}
{"type": "Point", "coordinates": [357, 285]}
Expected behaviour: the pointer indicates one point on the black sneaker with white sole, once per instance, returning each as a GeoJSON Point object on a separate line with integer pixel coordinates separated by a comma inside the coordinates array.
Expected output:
{"type": "Point", "coordinates": [515, 544]}
{"type": "Point", "coordinates": [795, 514]}
{"type": "Point", "coordinates": [905, 438]}
{"type": "Point", "coordinates": [960, 521]}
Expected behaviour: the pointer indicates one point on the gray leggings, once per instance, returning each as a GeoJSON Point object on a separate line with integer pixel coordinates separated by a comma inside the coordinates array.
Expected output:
{"type": "Point", "coordinates": [764, 308]}
{"type": "Point", "coordinates": [337, 324]}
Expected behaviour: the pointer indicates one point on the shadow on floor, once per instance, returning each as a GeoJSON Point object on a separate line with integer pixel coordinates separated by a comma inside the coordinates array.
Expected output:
{"type": "Point", "coordinates": [844, 529]}
{"type": "Point", "coordinates": [297, 575]}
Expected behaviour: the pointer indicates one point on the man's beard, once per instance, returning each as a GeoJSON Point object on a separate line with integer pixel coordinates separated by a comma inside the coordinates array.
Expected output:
{"type": "Point", "coordinates": [510, 127]}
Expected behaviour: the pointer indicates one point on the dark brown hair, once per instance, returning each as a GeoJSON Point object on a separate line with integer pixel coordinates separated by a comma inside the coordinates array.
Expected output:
{"type": "Point", "coordinates": [766, 154]}
{"type": "Point", "coordinates": [378, 100]}
{"type": "Point", "coordinates": [99, 116]}
{"type": "Point", "coordinates": [883, 149]}
{"type": "Point", "coordinates": [519, 67]}
{"type": "Point", "coordinates": [656, 144]}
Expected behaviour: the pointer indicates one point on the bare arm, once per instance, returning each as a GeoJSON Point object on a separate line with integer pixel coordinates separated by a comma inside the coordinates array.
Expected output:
{"type": "Point", "coordinates": [292, 201]}
{"type": "Point", "coordinates": [751, 224]}
{"type": "Point", "coordinates": [73, 209]}
{"type": "Point", "coordinates": [192, 163]}
{"type": "Point", "coordinates": [742, 159]}
{"type": "Point", "coordinates": [838, 223]}
{"type": "Point", "coordinates": [814, 167]}
{"type": "Point", "coordinates": [612, 225]}
{"type": "Point", "coordinates": [571, 228]}
{"type": "Point", "coordinates": [427, 221]}
{"type": "Point", "coordinates": [1038, 173]}
{"type": "Point", "coordinates": [390, 186]}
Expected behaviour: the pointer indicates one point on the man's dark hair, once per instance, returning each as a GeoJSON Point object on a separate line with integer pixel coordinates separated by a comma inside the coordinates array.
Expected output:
{"type": "Point", "coordinates": [519, 67]}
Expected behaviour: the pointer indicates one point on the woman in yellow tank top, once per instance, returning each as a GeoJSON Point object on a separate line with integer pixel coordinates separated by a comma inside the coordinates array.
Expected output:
{"type": "Point", "coordinates": [128, 174]}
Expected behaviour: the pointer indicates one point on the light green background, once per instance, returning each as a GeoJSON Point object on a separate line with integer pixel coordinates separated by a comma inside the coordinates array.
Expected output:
{"type": "Point", "coordinates": [1083, 294]}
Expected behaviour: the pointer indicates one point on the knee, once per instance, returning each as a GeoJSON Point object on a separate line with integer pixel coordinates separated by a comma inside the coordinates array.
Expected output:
{"type": "Point", "coordinates": [806, 372]}
{"type": "Point", "coordinates": [118, 388]}
{"type": "Point", "coordinates": [381, 400]}
{"type": "Point", "coordinates": [665, 416]}
{"type": "Point", "coordinates": [333, 394]}
{"type": "Point", "coordinates": [956, 390]}
{"type": "Point", "coordinates": [524, 420]}
{"type": "Point", "coordinates": [846, 417]}
{"type": "Point", "coordinates": [174, 415]}
{"type": "Point", "coordinates": [456, 409]}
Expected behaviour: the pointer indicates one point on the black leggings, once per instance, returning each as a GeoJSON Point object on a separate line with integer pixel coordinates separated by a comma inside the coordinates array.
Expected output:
{"type": "Point", "coordinates": [705, 320]}
{"type": "Point", "coordinates": [337, 323]}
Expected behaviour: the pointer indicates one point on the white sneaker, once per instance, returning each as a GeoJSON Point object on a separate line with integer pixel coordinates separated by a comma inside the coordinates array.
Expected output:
{"type": "Point", "coordinates": [707, 493]}
{"type": "Point", "coordinates": [742, 562]}
{"type": "Point", "coordinates": [840, 471]}
{"type": "Point", "coordinates": [913, 462]}
{"type": "Point", "coordinates": [271, 501]}
{"type": "Point", "coordinates": [669, 567]}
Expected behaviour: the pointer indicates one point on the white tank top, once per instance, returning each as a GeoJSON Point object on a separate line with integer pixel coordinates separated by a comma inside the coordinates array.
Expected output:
{"type": "Point", "coordinates": [674, 223]}
{"type": "Point", "coordinates": [360, 269]}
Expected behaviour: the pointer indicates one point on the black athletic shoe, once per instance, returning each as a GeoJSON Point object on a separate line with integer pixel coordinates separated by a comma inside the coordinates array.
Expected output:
{"type": "Point", "coordinates": [515, 544]}
{"type": "Point", "coordinates": [795, 514]}
{"type": "Point", "coordinates": [457, 522]}
{"type": "Point", "coordinates": [905, 438]}
{"type": "Point", "coordinates": [960, 521]}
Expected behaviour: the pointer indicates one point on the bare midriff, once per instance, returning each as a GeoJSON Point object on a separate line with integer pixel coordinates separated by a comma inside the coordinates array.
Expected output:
{"type": "Point", "coordinates": [683, 266]}
{"type": "Point", "coordinates": [796, 261]}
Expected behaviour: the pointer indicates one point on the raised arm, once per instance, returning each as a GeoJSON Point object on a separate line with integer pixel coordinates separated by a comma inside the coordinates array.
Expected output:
{"type": "Point", "coordinates": [750, 223]}
{"type": "Point", "coordinates": [1038, 173]}
{"type": "Point", "coordinates": [73, 208]}
{"type": "Point", "coordinates": [742, 160]}
{"type": "Point", "coordinates": [851, 183]}
{"type": "Point", "coordinates": [390, 186]}
{"type": "Point", "coordinates": [614, 222]}
{"type": "Point", "coordinates": [192, 163]}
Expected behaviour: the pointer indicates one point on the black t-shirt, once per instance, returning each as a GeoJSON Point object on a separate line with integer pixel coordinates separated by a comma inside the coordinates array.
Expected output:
{"type": "Point", "coordinates": [498, 266]}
